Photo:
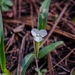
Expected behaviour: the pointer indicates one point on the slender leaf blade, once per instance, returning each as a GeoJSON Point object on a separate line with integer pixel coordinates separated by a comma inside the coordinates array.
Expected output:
{"type": "Point", "coordinates": [48, 49]}
{"type": "Point", "coordinates": [2, 50]}
{"type": "Point", "coordinates": [26, 61]}
{"type": "Point", "coordinates": [43, 14]}
{"type": "Point", "coordinates": [3, 58]}
{"type": "Point", "coordinates": [2, 53]}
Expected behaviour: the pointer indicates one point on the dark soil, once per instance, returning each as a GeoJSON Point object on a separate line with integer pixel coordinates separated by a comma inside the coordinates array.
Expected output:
{"type": "Point", "coordinates": [19, 21]}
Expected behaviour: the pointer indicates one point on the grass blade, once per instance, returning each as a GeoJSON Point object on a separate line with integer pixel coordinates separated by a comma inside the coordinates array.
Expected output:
{"type": "Point", "coordinates": [2, 50]}
{"type": "Point", "coordinates": [48, 49]}
{"type": "Point", "coordinates": [26, 61]}
{"type": "Point", "coordinates": [43, 14]}
{"type": "Point", "coordinates": [2, 54]}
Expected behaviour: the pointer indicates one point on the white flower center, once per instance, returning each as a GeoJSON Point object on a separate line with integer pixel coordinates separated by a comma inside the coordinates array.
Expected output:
{"type": "Point", "coordinates": [38, 35]}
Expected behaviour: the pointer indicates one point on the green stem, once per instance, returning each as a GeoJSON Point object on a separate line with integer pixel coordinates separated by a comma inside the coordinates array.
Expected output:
{"type": "Point", "coordinates": [37, 46]}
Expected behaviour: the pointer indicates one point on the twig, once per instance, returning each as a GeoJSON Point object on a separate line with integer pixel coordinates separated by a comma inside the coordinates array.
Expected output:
{"type": "Point", "coordinates": [15, 8]}
{"type": "Point", "coordinates": [36, 60]}
{"type": "Point", "coordinates": [32, 18]}
{"type": "Point", "coordinates": [33, 1]}
{"type": "Point", "coordinates": [64, 68]}
{"type": "Point", "coordinates": [61, 10]}
{"type": "Point", "coordinates": [51, 72]}
{"type": "Point", "coordinates": [58, 31]}
{"type": "Point", "coordinates": [19, 9]}
{"type": "Point", "coordinates": [20, 55]}
{"type": "Point", "coordinates": [62, 59]}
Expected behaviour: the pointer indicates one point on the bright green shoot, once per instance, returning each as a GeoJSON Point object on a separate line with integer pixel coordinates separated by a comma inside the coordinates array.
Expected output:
{"type": "Point", "coordinates": [43, 14]}
{"type": "Point", "coordinates": [3, 6]}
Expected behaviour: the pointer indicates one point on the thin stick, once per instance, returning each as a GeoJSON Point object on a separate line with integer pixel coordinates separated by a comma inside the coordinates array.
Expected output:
{"type": "Point", "coordinates": [19, 9]}
{"type": "Point", "coordinates": [36, 62]}
{"type": "Point", "coordinates": [20, 55]}
{"type": "Point", "coordinates": [62, 59]}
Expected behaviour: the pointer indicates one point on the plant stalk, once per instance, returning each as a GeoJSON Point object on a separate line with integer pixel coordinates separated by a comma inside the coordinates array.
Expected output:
{"type": "Point", "coordinates": [37, 46]}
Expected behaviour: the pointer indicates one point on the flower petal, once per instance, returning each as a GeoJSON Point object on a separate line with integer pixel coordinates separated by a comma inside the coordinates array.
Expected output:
{"type": "Point", "coordinates": [34, 31]}
{"type": "Point", "coordinates": [38, 39]}
{"type": "Point", "coordinates": [43, 33]}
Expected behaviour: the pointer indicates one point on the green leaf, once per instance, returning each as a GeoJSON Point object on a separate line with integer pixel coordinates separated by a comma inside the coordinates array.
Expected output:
{"type": "Point", "coordinates": [38, 70]}
{"type": "Point", "coordinates": [4, 8]}
{"type": "Point", "coordinates": [43, 14]}
{"type": "Point", "coordinates": [6, 72]}
{"type": "Point", "coordinates": [2, 50]}
{"type": "Point", "coordinates": [8, 3]}
{"type": "Point", "coordinates": [40, 73]}
{"type": "Point", "coordinates": [2, 1]}
{"type": "Point", "coordinates": [48, 49]}
{"type": "Point", "coordinates": [26, 62]}
{"type": "Point", "coordinates": [2, 53]}
{"type": "Point", "coordinates": [43, 70]}
{"type": "Point", "coordinates": [4, 4]}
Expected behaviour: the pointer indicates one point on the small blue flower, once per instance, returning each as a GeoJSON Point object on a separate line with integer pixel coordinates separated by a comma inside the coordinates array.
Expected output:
{"type": "Point", "coordinates": [38, 34]}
